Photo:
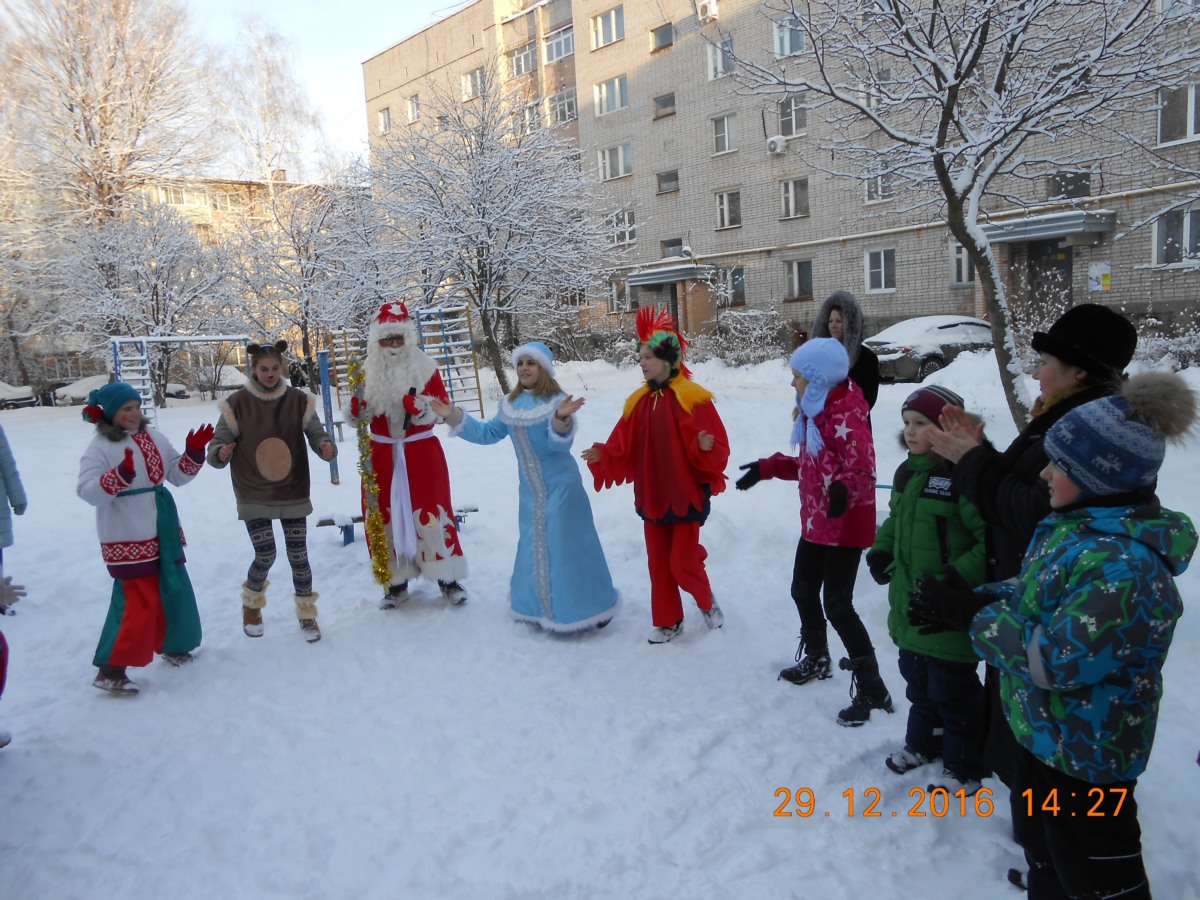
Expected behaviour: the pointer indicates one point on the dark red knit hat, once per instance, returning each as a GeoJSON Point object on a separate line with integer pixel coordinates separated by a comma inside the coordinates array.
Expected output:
{"type": "Point", "coordinates": [928, 401]}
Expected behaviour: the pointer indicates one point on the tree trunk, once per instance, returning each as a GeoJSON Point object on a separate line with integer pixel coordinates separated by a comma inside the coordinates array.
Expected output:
{"type": "Point", "coordinates": [1002, 337]}
{"type": "Point", "coordinates": [493, 350]}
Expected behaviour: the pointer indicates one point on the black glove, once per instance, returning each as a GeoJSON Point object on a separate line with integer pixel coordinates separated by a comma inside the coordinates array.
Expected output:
{"type": "Point", "coordinates": [751, 478]}
{"type": "Point", "coordinates": [936, 605]}
{"type": "Point", "coordinates": [838, 495]}
{"type": "Point", "coordinates": [877, 562]}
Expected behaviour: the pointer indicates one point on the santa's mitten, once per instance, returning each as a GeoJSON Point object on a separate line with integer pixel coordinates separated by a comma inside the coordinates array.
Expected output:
{"type": "Point", "coordinates": [411, 405]}
{"type": "Point", "coordinates": [358, 406]}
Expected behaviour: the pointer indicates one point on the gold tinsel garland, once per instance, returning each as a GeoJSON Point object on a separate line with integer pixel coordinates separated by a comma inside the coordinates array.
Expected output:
{"type": "Point", "coordinates": [372, 518]}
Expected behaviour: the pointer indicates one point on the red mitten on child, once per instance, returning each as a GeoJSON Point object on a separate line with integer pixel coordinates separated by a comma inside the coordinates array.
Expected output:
{"type": "Point", "coordinates": [125, 469]}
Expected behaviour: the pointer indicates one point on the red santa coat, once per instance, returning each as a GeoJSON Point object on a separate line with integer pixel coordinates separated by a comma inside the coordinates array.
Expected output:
{"type": "Point", "coordinates": [432, 547]}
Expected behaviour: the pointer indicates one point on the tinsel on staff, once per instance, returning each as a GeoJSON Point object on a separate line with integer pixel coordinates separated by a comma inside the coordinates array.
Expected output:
{"type": "Point", "coordinates": [372, 517]}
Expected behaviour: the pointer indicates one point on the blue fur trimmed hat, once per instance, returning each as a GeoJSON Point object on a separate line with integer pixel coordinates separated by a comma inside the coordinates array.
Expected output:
{"type": "Point", "coordinates": [1117, 444]}
{"type": "Point", "coordinates": [538, 352]}
{"type": "Point", "coordinates": [106, 400]}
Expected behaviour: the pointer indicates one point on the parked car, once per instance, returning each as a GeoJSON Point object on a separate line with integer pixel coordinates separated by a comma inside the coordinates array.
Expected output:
{"type": "Point", "coordinates": [177, 391]}
{"type": "Point", "coordinates": [12, 397]}
{"type": "Point", "coordinates": [76, 392]}
{"type": "Point", "coordinates": [914, 349]}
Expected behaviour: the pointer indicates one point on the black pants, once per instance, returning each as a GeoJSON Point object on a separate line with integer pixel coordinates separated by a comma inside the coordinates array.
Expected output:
{"type": "Point", "coordinates": [834, 569]}
{"type": "Point", "coordinates": [1090, 847]}
{"type": "Point", "coordinates": [946, 695]}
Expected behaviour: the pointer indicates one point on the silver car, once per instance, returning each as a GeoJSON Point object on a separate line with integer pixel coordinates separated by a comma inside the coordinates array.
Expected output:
{"type": "Point", "coordinates": [915, 348]}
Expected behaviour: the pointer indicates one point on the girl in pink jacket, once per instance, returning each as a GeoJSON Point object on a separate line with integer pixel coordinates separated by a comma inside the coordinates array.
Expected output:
{"type": "Point", "coordinates": [836, 471]}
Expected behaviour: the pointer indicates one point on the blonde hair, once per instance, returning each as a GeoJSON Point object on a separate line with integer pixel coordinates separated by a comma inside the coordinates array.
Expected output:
{"type": "Point", "coordinates": [545, 386]}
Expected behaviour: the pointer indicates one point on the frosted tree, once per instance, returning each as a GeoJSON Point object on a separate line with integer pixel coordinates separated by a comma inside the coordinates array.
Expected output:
{"type": "Point", "coordinates": [957, 102]}
{"type": "Point", "coordinates": [489, 208]}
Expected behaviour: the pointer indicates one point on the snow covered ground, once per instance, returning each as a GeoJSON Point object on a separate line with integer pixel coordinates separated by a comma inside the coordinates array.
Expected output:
{"type": "Point", "coordinates": [437, 752]}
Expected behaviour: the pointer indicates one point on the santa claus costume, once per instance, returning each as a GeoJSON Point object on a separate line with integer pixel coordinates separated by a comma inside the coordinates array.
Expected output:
{"type": "Point", "coordinates": [412, 481]}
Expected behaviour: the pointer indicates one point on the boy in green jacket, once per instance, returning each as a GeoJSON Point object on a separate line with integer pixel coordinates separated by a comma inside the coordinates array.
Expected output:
{"type": "Point", "coordinates": [930, 529]}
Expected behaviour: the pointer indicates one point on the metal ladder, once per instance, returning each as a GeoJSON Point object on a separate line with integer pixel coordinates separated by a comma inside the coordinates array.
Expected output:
{"type": "Point", "coordinates": [131, 364]}
{"type": "Point", "coordinates": [445, 335]}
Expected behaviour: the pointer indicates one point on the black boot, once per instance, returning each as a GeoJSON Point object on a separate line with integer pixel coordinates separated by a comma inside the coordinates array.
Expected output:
{"type": "Point", "coordinates": [867, 690]}
{"type": "Point", "coordinates": [812, 661]}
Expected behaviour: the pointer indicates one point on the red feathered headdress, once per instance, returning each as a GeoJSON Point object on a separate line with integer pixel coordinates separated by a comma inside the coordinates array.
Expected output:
{"type": "Point", "coordinates": [656, 328]}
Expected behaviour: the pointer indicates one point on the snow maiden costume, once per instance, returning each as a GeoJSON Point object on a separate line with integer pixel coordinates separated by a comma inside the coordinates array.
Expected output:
{"type": "Point", "coordinates": [409, 468]}
{"type": "Point", "coordinates": [123, 475]}
{"type": "Point", "coordinates": [560, 578]}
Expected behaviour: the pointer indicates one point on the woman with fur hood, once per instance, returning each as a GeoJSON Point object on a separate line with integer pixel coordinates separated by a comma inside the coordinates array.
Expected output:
{"type": "Point", "coordinates": [260, 436]}
{"type": "Point", "coordinates": [841, 319]}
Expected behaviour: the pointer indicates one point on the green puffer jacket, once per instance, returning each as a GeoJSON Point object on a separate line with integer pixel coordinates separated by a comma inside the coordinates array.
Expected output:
{"type": "Point", "coordinates": [929, 526]}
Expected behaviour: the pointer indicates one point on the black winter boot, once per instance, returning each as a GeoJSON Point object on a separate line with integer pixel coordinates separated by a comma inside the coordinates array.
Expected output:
{"type": "Point", "coordinates": [812, 661]}
{"type": "Point", "coordinates": [867, 690]}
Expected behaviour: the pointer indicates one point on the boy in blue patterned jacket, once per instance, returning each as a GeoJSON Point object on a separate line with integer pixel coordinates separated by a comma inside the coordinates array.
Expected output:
{"type": "Point", "coordinates": [1081, 635]}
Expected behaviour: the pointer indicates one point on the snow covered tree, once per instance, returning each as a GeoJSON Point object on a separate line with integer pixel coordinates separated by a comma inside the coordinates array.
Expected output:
{"type": "Point", "coordinates": [489, 208]}
{"type": "Point", "coordinates": [957, 101]}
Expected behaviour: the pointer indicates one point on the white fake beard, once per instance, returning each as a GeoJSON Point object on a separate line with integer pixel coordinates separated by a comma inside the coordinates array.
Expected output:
{"type": "Point", "coordinates": [388, 375]}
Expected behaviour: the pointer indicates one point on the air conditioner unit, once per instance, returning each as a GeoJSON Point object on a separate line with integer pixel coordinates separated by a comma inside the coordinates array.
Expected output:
{"type": "Point", "coordinates": [707, 10]}
{"type": "Point", "coordinates": [777, 146]}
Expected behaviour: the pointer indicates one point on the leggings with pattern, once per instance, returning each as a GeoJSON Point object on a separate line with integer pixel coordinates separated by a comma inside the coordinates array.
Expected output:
{"type": "Point", "coordinates": [295, 542]}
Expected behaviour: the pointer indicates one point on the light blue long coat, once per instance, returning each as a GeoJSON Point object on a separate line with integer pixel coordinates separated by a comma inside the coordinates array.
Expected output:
{"type": "Point", "coordinates": [560, 579]}
{"type": "Point", "coordinates": [12, 492]}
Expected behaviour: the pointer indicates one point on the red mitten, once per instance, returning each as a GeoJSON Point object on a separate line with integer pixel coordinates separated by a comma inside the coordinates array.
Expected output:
{"type": "Point", "coordinates": [410, 405]}
{"type": "Point", "coordinates": [198, 439]}
{"type": "Point", "coordinates": [125, 468]}
{"type": "Point", "coordinates": [358, 406]}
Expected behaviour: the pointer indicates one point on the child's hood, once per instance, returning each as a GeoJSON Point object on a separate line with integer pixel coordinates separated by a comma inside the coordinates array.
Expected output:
{"type": "Point", "coordinates": [1168, 533]}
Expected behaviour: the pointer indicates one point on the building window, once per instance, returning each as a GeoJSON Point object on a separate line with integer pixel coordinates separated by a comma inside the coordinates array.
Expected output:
{"type": "Point", "coordinates": [725, 133]}
{"type": "Point", "coordinates": [227, 201]}
{"type": "Point", "coordinates": [729, 209]}
{"type": "Point", "coordinates": [881, 187]}
{"type": "Point", "coordinates": [178, 196]}
{"type": "Point", "coordinates": [881, 270]}
{"type": "Point", "coordinates": [662, 37]}
{"type": "Point", "coordinates": [672, 247]}
{"type": "Point", "coordinates": [793, 117]}
{"type": "Point", "coordinates": [1179, 114]}
{"type": "Point", "coordinates": [873, 92]}
{"type": "Point", "coordinates": [385, 120]}
{"type": "Point", "coordinates": [731, 287]}
{"type": "Point", "coordinates": [560, 44]}
{"type": "Point", "coordinates": [668, 182]}
{"type": "Point", "coordinates": [1177, 237]}
{"type": "Point", "coordinates": [443, 122]}
{"type": "Point", "coordinates": [414, 108]}
{"type": "Point", "coordinates": [789, 37]}
{"type": "Point", "coordinates": [575, 297]}
{"type": "Point", "coordinates": [564, 106]}
{"type": "Point", "coordinates": [527, 118]}
{"type": "Point", "coordinates": [793, 198]}
{"type": "Point", "coordinates": [664, 106]}
{"type": "Point", "coordinates": [608, 27]}
{"type": "Point", "coordinates": [472, 84]}
{"type": "Point", "coordinates": [621, 228]}
{"type": "Point", "coordinates": [720, 59]}
{"type": "Point", "coordinates": [612, 95]}
{"type": "Point", "coordinates": [1068, 185]}
{"type": "Point", "coordinates": [964, 266]}
{"type": "Point", "coordinates": [1176, 7]}
{"type": "Point", "coordinates": [616, 162]}
{"type": "Point", "coordinates": [523, 60]}
{"type": "Point", "coordinates": [799, 279]}
{"type": "Point", "coordinates": [618, 297]}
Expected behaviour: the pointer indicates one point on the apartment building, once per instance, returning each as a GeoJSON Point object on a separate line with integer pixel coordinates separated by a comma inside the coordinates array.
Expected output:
{"type": "Point", "coordinates": [724, 206]}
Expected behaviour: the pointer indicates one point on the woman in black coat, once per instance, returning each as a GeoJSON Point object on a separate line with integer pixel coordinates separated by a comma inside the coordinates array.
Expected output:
{"type": "Point", "coordinates": [841, 319]}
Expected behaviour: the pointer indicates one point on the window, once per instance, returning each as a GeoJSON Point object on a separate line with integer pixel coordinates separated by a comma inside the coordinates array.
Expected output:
{"type": "Point", "coordinates": [664, 106]}
{"type": "Point", "coordinates": [622, 229]}
{"type": "Point", "coordinates": [177, 196]}
{"type": "Point", "coordinates": [560, 44]}
{"type": "Point", "coordinates": [789, 37]}
{"type": "Point", "coordinates": [672, 247]}
{"type": "Point", "coordinates": [1176, 7]}
{"type": "Point", "coordinates": [522, 60]}
{"type": "Point", "coordinates": [793, 117]}
{"type": "Point", "coordinates": [964, 267]}
{"type": "Point", "coordinates": [799, 279]}
{"type": "Point", "coordinates": [472, 84]}
{"type": "Point", "coordinates": [564, 106]}
{"type": "Point", "coordinates": [1177, 237]}
{"type": "Point", "coordinates": [414, 108]}
{"type": "Point", "coordinates": [443, 122]}
{"type": "Point", "coordinates": [385, 120]}
{"type": "Point", "coordinates": [662, 37]}
{"type": "Point", "coordinates": [616, 162]}
{"type": "Point", "coordinates": [793, 198]}
{"type": "Point", "coordinates": [612, 95]}
{"type": "Point", "coordinates": [528, 118]}
{"type": "Point", "coordinates": [1179, 114]}
{"type": "Point", "coordinates": [608, 27]}
{"type": "Point", "coordinates": [872, 11]}
{"type": "Point", "coordinates": [618, 297]}
{"type": "Point", "coordinates": [668, 182]}
{"type": "Point", "coordinates": [881, 270]}
{"type": "Point", "coordinates": [573, 297]}
{"type": "Point", "coordinates": [873, 92]}
{"type": "Point", "coordinates": [729, 209]}
{"type": "Point", "coordinates": [725, 133]}
{"type": "Point", "coordinates": [227, 201]}
{"type": "Point", "coordinates": [720, 59]}
{"type": "Point", "coordinates": [881, 187]}
{"type": "Point", "coordinates": [731, 287]}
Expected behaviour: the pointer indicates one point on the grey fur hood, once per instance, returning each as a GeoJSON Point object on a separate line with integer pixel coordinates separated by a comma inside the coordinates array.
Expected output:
{"type": "Point", "coordinates": [852, 322]}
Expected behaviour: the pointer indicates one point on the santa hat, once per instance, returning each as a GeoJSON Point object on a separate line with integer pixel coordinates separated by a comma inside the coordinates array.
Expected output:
{"type": "Point", "coordinates": [538, 352]}
{"type": "Point", "coordinates": [393, 319]}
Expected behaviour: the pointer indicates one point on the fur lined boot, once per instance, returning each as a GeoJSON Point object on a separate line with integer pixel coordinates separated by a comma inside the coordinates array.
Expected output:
{"type": "Point", "coordinates": [252, 603]}
{"type": "Point", "coordinates": [306, 612]}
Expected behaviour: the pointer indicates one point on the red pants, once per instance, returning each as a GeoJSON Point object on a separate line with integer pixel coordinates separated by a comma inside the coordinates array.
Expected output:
{"type": "Point", "coordinates": [676, 561]}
